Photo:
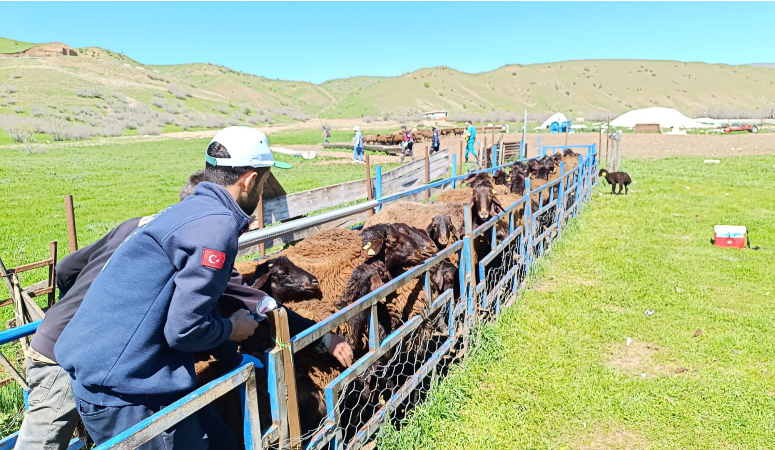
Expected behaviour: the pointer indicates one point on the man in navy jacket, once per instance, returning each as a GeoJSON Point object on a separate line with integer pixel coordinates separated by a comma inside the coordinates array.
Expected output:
{"type": "Point", "coordinates": [51, 418]}
{"type": "Point", "coordinates": [154, 302]}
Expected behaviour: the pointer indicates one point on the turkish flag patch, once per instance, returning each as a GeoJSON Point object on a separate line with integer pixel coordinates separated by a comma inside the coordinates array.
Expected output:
{"type": "Point", "coordinates": [213, 258]}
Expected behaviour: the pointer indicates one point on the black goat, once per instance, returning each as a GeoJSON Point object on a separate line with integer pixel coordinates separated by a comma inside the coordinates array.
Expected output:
{"type": "Point", "coordinates": [614, 178]}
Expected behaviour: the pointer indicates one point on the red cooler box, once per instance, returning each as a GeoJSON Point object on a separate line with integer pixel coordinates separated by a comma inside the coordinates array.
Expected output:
{"type": "Point", "coordinates": [729, 236]}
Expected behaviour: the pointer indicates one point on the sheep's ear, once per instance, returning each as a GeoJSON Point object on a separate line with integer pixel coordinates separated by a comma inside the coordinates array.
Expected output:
{"type": "Point", "coordinates": [430, 229]}
{"type": "Point", "coordinates": [454, 232]}
{"type": "Point", "coordinates": [375, 282]}
{"type": "Point", "coordinates": [495, 207]}
{"type": "Point", "coordinates": [371, 247]}
{"type": "Point", "coordinates": [259, 282]}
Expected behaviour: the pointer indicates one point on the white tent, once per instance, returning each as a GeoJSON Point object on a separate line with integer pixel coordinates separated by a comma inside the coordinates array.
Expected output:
{"type": "Point", "coordinates": [557, 117]}
{"type": "Point", "coordinates": [665, 117]}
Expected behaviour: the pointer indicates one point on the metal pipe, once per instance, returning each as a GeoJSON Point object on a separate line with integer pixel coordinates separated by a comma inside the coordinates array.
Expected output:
{"type": "Point", "coordinates": [267, 234]}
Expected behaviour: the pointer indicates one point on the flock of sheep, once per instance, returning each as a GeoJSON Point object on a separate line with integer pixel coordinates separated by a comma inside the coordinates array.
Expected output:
{"type": "Point", "coordinates": [330, 270]}
{"type": "Point", "coordinates": [419, 136]}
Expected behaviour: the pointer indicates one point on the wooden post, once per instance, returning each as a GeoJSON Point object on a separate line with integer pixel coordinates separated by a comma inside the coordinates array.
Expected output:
{"type": "Point", "coordinates": [567, 132]}
{"type": "Point", "coordinates": [260, 217]}
{"type": "Point", "coordinates": [600, 139]}
{"type": "Point", "coordinates": [52, 275]}
{"type": "Point", "coordinates": [461, 157]}
{"type": "Point", "coordinates": [369, 192]}
{"type": "Point", "coordinates": [279, 327]}
{"type": "Point", "coordinates": [72, 238]}
{"type": "Point", "coordinates": [427, 175]}
{"type": "Point", "coordinates": [607, 138]}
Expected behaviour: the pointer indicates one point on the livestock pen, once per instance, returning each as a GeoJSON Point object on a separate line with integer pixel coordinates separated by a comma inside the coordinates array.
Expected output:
{"type": "Point", "coordinates": [398, 369]}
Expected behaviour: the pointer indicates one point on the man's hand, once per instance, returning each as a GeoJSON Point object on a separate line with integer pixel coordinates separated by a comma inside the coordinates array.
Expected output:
{"type": "Point", "coordinates": [341, 350]}
{"type": "Point", "coordinates": [242, 326]}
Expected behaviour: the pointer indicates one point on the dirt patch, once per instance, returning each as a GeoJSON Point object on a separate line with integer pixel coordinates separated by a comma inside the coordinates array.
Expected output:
{"type": "Point", "coordinates": [640, 358]}
{"type": "Point", "coordinates": [663, 146]}
{"type": "Point", "coordinates": [613, 437]}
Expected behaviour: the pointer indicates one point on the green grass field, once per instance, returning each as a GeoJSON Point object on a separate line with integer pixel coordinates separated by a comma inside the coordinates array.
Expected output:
{"type": "Point", "coordinates": [555, 372]}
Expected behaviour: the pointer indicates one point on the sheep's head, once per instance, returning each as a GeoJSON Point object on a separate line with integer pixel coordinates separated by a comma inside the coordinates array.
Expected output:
{"type": "Point", "coordinates": [500, 177]}
{"type": "Point", "coordinates": [602, 173]}
{"type": "Point", "coordinates": [477, 179]}
{"type": "Point", "coordinates": [542, 173]}
{"type": "Point", "coordinates": [386, 242]}
{"type": "Point", "coordinates": [571, 153]}
{"type": "Point", "coordinates": [533, 165]}
{"type": "Point", "coordinates": [443, 276]}
{"type": "Point", "coordinates": [285, 281]}
{"type": "Point", "coordinates": [486, 204]}
{"type": "Point", "coordinates": [421, 237]}
{"type": "Point", "coordinates": [442, 231]}
{"type": "Point", "coordinates": [366, 277]}
{"type": "Point", "coordinates": [517, 183]}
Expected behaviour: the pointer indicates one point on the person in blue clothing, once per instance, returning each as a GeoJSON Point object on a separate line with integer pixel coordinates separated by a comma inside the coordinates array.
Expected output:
{"type": "Point", "coordinates": [153, 304]}
{"type": "Point", "coordinates": [52, 417]}
{"type": "Point", "coordinates": [435, 140]}
{"type": "Point", "coordinates": [471, 140]}
{"type": "Point", "coordinates": [358, 146]}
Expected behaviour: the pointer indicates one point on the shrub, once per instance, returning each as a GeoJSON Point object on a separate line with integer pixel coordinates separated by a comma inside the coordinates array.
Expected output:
{"type": "Point", "coordinates": [111, 129]}
{"type": "Point", "coordinates": [246, 110]}
{"type": "Point", "coordinates": [18, 109]}
{"type": "Point", "coordinates": [8, 88]}
{"type": "Point", "coordinates": [222, 109]}
{"type": "Point", "coordinates": [213, 121]}
{"type": "Point", "coordinates": [426, 84]}
{"type": "Point", "coordinates": [16, 75]}
{"type": "Point", "coordinates": [38, 111]}
{"type": "Point", "coordinates": [158, 94]}
{"type": "Point", "coordinates": [89, 92]}
{"type": "Point", "coordinates": [20, 132]}
{"type": "Point", "coordinates": [156, 76]}
{"type": "Point", "coordinates": [178, 92]}
{"type": "Point", "coordinates": [149, 130]}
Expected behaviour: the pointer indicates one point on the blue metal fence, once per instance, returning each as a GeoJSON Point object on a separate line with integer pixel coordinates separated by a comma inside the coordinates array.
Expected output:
{"type": "Point", "coordinates": [489, 278]}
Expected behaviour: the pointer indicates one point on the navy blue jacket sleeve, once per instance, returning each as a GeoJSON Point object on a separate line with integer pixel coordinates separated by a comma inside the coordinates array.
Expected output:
{"type": "Point", "coordinates": [203, 253]}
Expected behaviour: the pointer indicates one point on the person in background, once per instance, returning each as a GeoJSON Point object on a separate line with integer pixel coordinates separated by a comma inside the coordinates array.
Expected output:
{"type": "Point", "coordinates": [52, 417]}
{"type": "Point", "coordinates": [358, 145]}
{"type": "Point", "coordinates": [406, 146]}
{"type": "Point", "coordinates": [326, 134]}
{"type": "Point", "coordinates": [470, 136]}
{"type": "Point", "coordinates": [435, 141]}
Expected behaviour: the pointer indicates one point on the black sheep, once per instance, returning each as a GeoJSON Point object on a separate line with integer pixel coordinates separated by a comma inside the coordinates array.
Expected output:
{"type": "Point", "coordinates": [614, 178]}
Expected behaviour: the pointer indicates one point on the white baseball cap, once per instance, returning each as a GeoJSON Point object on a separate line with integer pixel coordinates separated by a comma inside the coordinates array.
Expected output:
{"type": "Point", "coordinates": [248, 147]}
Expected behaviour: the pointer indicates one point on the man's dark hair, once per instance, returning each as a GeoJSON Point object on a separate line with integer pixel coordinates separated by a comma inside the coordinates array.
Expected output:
{"type": "Point", "coordinates": [468, 121]}
{"type": "Point", "coordinates": [226, 175]}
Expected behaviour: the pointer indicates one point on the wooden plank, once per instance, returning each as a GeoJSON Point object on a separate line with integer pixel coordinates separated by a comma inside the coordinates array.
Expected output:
{"type": "Point", "coordinates": [31, 266]}
{"type": "Point", "coordinates": [344, 222]}
{"type": "Point", "coordinates": [417, 177]}
{"type": "Point", "coordinates": [305, 202]}
{"type": "Point", "coordinates": [278, 322]}
{"type": "Point", "coordinates": [13, 372]}
{"type": "Point", "coordinates": [52, 273]}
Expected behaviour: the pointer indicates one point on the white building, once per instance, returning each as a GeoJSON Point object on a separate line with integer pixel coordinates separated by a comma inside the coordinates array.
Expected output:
{"type": "Point", "coordinates": [435, 115]}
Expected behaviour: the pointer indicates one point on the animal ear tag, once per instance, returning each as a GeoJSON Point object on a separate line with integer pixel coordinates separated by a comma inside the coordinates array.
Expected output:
{"type": "Point", "coordinates": [371, 252]}
{"type": "Point", "coordinates": [494, 191]}
{"type": "Point", "coordinates": [366, 247]}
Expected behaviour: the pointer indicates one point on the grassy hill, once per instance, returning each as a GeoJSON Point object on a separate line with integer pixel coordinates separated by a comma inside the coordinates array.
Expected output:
{"type": "Point", "coordinates": [114, 94]}
{"type": "Point", "coordinates": [12, 46]}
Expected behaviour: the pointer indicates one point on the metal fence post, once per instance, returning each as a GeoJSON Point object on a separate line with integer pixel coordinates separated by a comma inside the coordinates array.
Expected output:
{"type": "Point", "coordinates": [468, 253]}
{"type": "Point", "coordinates": [594, 164]}
{"type": "Point", "coordinates": [454, 170]}
{"type": "Point", "coordinates": [561, 200]}
{"type": "Point", "coordinates": [538, 149]}
{"type": "Point", "coordinates": [494, 154]}
{"type": "Point", "coordinates": [528, 229]}
{"type": "Point", "coordinates": [579, 180]}
{"type": "Point", "coordinates": [378, 185]}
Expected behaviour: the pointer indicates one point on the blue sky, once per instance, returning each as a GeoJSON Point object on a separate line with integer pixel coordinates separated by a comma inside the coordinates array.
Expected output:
{"type": "Point", "coordinates": [320, 41]}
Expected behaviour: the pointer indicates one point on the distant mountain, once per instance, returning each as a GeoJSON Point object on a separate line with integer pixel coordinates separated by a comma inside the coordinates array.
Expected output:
{"type": "Point", "coordinates": [591, 88]}
{"type": "Point", "coordinates": [768, 65]}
